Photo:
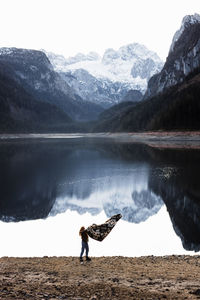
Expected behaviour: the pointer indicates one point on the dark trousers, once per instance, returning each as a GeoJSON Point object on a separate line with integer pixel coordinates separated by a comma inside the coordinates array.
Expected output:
{"type": "Point", "coordinates": [85, 248]}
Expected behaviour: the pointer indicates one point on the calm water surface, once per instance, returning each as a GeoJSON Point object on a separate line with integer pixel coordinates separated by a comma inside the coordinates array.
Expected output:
{"type": "Point", "coordinates": [49, 188]}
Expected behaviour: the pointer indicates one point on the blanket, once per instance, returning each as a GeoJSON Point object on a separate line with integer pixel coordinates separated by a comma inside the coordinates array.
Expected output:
{"type": "Point", "coordinates": [99, 232]}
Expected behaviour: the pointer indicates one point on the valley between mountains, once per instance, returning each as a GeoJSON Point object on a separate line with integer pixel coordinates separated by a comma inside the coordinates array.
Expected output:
{"type": "Point", "coordinates": [125, 90]}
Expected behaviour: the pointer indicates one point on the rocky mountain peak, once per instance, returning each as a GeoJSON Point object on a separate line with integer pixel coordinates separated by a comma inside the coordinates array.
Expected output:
{"type": "Point", "coordinates": [26, 57]}
{"type": "Point", "coordinates": [186, 22]}
{"type": "Point", "coordinates": [183, 58]}
{"type": "Point", "coordinates": [136, 50]}
{"type": "Point", "coordinates": [91, 56]}
{"type": "Point", "coordinates": [129, 53]}
{"type": "Point", "coordinates": [109, 55]}
{"type": "Point", "coordinates": [190, 19]}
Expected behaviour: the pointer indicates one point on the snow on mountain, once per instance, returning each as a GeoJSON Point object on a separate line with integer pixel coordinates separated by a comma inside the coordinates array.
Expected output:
{"type": "Point", "coordinates": [130, 67]}
{"type": "Point", "coordinates": [61, 63]}
{"type": "Point", "coordinates": [112, 189]}
{"type": "Point", "coordinates": [101, 91]}
{"type": "Point", "coordinates": [114, 65]}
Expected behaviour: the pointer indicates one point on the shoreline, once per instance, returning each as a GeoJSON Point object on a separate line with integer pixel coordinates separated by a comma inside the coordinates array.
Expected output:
{"type": "Point", "coordinates": [147, 277]}
{"type": "Point", "coordinates": [157, 139]}
{"type": "Point", "coordinates": [178, 135]}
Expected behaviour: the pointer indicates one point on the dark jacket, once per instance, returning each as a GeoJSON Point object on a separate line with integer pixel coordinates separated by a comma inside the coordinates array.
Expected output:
{"type": "Point", "coordinates": [84, 236]}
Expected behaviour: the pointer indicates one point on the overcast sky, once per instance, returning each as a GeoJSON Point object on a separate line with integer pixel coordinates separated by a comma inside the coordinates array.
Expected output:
{"type": "Point", "coordinates": [71, 26]}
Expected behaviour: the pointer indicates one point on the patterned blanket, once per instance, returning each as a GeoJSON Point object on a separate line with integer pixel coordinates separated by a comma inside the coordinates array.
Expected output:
{"type": "Point", "coordinates": [99, 232]}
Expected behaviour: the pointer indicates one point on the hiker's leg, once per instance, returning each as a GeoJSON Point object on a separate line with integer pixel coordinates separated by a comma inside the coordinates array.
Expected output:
{"type": "Point", "coordinates": [82, 249]}
{"type": "Point", "coordinates": [87, 249]}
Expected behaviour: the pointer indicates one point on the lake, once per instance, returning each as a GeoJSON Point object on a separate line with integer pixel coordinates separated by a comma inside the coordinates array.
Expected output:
{"type": "Point", "coordinates": [52, 187]}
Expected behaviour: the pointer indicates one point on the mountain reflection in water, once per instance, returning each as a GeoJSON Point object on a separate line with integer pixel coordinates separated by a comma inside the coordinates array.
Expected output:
{"type": "Point", "coordinates": [41, 178]}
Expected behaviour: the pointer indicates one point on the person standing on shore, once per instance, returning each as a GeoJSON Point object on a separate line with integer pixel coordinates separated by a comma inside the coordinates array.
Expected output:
{"type": "Point", "coordinates": [84, 236]}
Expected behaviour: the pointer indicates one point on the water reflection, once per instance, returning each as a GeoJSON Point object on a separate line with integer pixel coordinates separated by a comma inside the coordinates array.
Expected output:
{"type": "Point", "coordinates": [27, 187]}
{"type": "Point", "coordinates": [47, 177]}
{"type": "Point", "coordinates": [102, 181]}
{"type": "Point", "coordinates": [180, 191]}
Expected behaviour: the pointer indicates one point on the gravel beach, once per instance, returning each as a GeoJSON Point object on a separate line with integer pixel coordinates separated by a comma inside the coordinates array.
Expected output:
{"type": "Point", "coordinates": [169, 277]}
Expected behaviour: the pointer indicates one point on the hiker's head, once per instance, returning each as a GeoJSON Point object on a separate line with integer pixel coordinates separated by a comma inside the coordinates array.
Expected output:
{"type": "Point", "coordinates": [81, 230]}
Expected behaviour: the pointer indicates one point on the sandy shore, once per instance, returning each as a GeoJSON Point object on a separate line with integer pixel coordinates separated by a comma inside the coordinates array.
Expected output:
{"type": "Point", "coordinates": [170, 277]}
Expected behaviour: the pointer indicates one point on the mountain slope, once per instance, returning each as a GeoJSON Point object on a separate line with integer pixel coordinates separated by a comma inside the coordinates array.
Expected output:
{"type": "Point", "coordinates": [183, 58]}
{"type": "Point", "coordinates": [33, 71]}
{"type": "Point", "coordinates": [177, 108]}
{"type": "Point", "coordinates": [133, 95]}
{"type": "Point", "coordinates": [21, 112]}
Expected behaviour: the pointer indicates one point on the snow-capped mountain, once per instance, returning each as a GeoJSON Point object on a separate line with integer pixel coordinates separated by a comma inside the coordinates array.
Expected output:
{"type": "Point", "coordinates": [107, 79]}
{"type": "Point", "coordinates": [183, 58]}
